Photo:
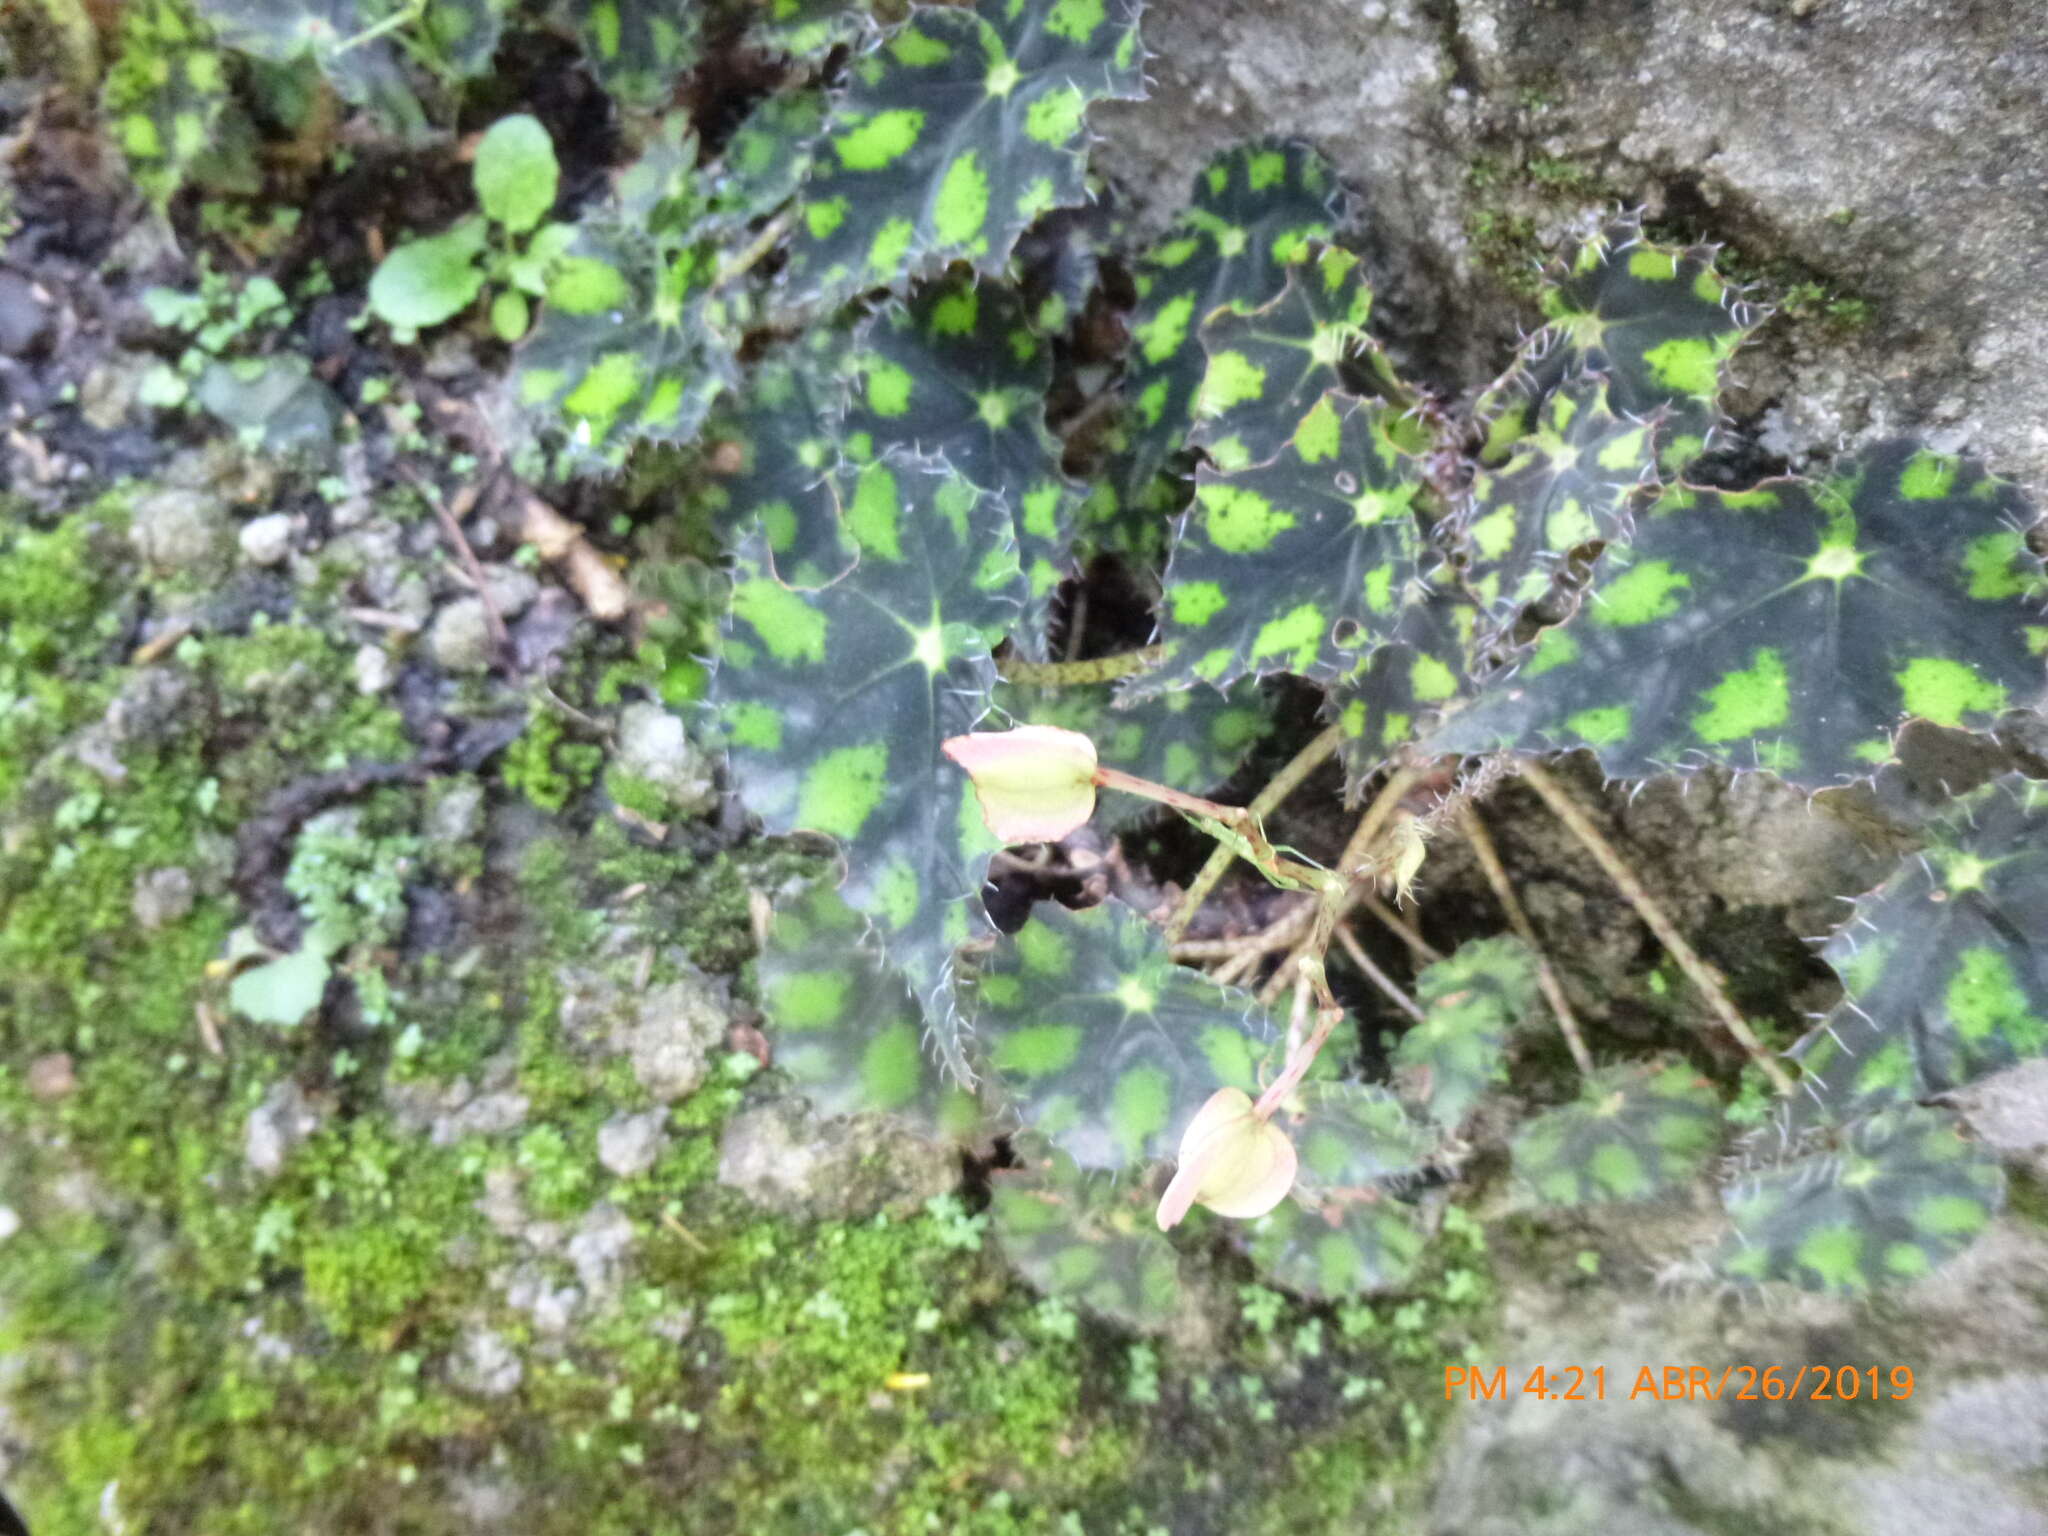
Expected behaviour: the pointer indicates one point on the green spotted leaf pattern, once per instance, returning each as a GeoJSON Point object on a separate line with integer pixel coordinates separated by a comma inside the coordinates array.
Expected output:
{"type": "Point", "coordinates": [1901, 1194]}
{"type": "Point", "coordinates": [955, 134]}
{"type": "Point", "coordinates": [806, 27]}
{"type": "Point", "coordinates": [1347, 1245]}
{"type": "Point", "coordinates": [835, 704]}
{"type": "Point", "coordinates": [1944, 966]}
{"type": "Point", "coordinates": [959, 372]}
{"type": "Point", "coordinates": [846, 1027]}
{"type": "Point", "coordinates": [165, 96]}
{"type": "Point", "coordinates": [1298, 565]}
{"type": "Point", "coordinates": [1253, 212]}
{"type": "Point", "coordinates": [632, 343]}
{"type": "Point", "coordinates": [1790, 627]}
{"type": "Point", "coordinates": [1101, 1043]}
{"type": "Point", "coordinates": [1191, 740]}
{"type": "Point", "coordinates": [1085, 1238]}
{"type": "Point", "coordinates": [786, 427]}
{"type": "Point", "coordinates": [638, 47]}
{"type": "Point", "coordinates": [1571, 481]}
{"type": "Point", "coordinates": [1403, 684]}
{"type": "Point", "coordinates": [1267, 368]}
{"type": "Point", "coordinates": [1634, 1130]}
{"type": "Point", "coordinates": [1471, 1002]}
{"type": "Point", "coordinates": [1658, 321]}
{"type": "Point", "coordinates": [1353, 1136]}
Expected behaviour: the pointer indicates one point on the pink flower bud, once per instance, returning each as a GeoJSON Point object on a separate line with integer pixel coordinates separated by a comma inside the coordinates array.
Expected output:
{"type": "Point", "coordinates": [1230, 1160]}
{"type": "Point", "coordinates": [1035, 784]}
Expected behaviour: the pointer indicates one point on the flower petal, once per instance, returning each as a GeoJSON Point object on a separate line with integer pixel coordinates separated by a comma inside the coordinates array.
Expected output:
{"type": "Point", "coordinates": [1035, 783]}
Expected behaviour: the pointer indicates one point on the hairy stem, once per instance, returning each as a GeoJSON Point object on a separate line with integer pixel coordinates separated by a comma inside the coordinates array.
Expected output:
{"type": "Point", "coordinates": [1284, 783]}
{"type": "Point", "coordinates": [1071, 674]}
{"type": "Point", "coordinates": [1701, 974]}
{"type": "Point", "coordinates": [1475, 833]}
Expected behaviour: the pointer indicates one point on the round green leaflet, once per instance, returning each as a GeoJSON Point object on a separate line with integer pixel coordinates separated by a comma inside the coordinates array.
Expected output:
{"type": "Point", "coordinates": [1086, 1238]}
{"type": "Point", "coordinates": [1253, 212]}
{"type": "Point", "coordinates": [1945, 966]}
{"type": "Point", "coordinates": [836, 702]}
{"type": "Point", "coordinates": [1473, 1001]}
{"type": "Point", "coordinates": [1301, 564]}
{"type": "Point", "coordinates": [1790, 627]}
{"type": "Point", "coordinates": [1901, 1193]}
{"type": "Point", "coordinates": [846, 1027]}
{"type": "Point", "coordinates": [1635, 1129]}
{"type": "Point", "coordinates": [1101, 1043]}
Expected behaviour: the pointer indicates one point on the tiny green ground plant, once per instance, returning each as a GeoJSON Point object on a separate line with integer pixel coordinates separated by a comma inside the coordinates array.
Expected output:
{"type": "Point", "coordinates": [507, 246]}
{"type": "Point", "coordinates": [858, 306]}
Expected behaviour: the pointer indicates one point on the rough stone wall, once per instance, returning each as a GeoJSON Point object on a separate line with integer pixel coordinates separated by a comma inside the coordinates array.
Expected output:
{"type": "Point", "coordinates": [1895, 148]}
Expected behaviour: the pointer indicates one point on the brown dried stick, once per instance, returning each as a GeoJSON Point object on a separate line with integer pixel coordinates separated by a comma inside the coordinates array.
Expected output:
{"type": "Point", "coordinates": [1475, 833]}
{"type": "Point", "coordinates": [1701, 974]}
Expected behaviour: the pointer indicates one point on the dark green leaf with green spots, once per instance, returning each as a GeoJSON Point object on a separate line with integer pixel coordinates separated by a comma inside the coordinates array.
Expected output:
{"type": "Point", "coordinates": [806, 27]}
{"type": "Point", "coordinates": [786, 427]}
{"type": "Point", "coordinates": [954, 135]}
{"type": "Point", "coordinates": [365, 71]}
{"type": "Point", "coordinates": [1268, 367]}
{"type": "Point", "coordinates": [1300, 564]}
{"type": "Point", "coordinates": [1380, 702]}
{"type": "Point", "coordinates": [1634, 1130]}
{"type": "Point", "coordinates": [1086, 1238]}
{"type": "Point", "coordinates": [1191, 739]}
{"type": "Point", "coordinates": [1657, 320]}
{"type": "Point", "coordinates": [1572, 480]}
{"type": "Point", "coordinates": [1790, 627]}
{"type": "Point", "coordinates": [835, 704]}
{"type": "Point", "coordinates": [1253, 212]}
{"type": "Point", "coordinates": [629, 346]}
{"type": "Point", "coordinates": [845, 1026]}
{"type": "Point", "coordinates": [1351, 1136]}
{"type": "Point", "coordinates": [633, 344]}
{"type": "Point", "coordinates": [1901, 1194]}
{"type": "Point", "coordinates": [1945, 966]}
{"type": "Point", "coordinates": [768, 156]}
{"type": "Point", "coordinates": [1472, 1002]}
{"type": "Point", "coordinates": [960, 373]}
{"type": "Point", "coordinates": [637, 47]}
{"type": "Point", "coordinates": [1345, 1245]}
{"type": "Point", "coordinates": [1102, 1043]}
{"type": "Point", "coordinates": [164, 96]}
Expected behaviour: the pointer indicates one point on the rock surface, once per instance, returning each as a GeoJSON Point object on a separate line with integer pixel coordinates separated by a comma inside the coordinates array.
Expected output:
{"type": "Point", "coordinates": [1896, 151]}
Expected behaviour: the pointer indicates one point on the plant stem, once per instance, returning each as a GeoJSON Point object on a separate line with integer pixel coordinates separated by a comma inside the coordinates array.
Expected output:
{"type": "Point", "coordinates": [1298, 1063]}
{"type": "Point", "coordinates": [1401, 928]}
{"type": "Point", "coordinates": [1476, 834]}
{"type": "Point", "coordinates": [1701, 974]}
{"type": "Point", "coordinates": [1283, 784]}
{"type": "Point", "coordinates": [1069, 674]}
{"type": "Point", "coordinates": [1389, 988]}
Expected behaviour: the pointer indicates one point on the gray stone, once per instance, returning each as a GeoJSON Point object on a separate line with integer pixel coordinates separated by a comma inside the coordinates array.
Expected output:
{"type": "Point", "coordinates": [110, 389]}
{"type": "Point", "coordinates": [162, 897]}
{"type": "Point", "coordinates": [266, 540]}
{"type": "Point", "coordinates": [182, 531]}
{"type": "Point", "coordinates": [455, 812]}
{"type": "Point", "coordinates": [598, 1249]}
{"type": "Point", "coordinates": [780, 1156]}
{"type": "Point", "coordinates": [628, 1145]}
{"type": "Point", "coordinates": [25, 315]}
{"type": "Point", "coordinates": [461, 636]}
{"type": "Point", "coordinates": [670, 1034]}
{"type": "Point", "coordinates": [374, 670]}
{"type": "Point", "coordinates": [1924, 197]}
{"type": "Point", "coordinates": [486, 1364]}
{"type": "Point", "coordinates": [654, 747]}
{"type": "Point", "coordinates": [511, 589]}
{"type": "Point", "coordinates": [283, 1119]}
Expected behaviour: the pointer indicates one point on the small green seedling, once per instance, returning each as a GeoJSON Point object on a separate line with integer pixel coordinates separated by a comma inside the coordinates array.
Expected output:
{"type": "Point", "coordinates": [506, 247]}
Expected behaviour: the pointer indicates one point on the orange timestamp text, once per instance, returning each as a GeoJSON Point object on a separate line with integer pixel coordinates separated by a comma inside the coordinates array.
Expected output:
{"type": "Point", "coordinates": [1682, 1383]}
